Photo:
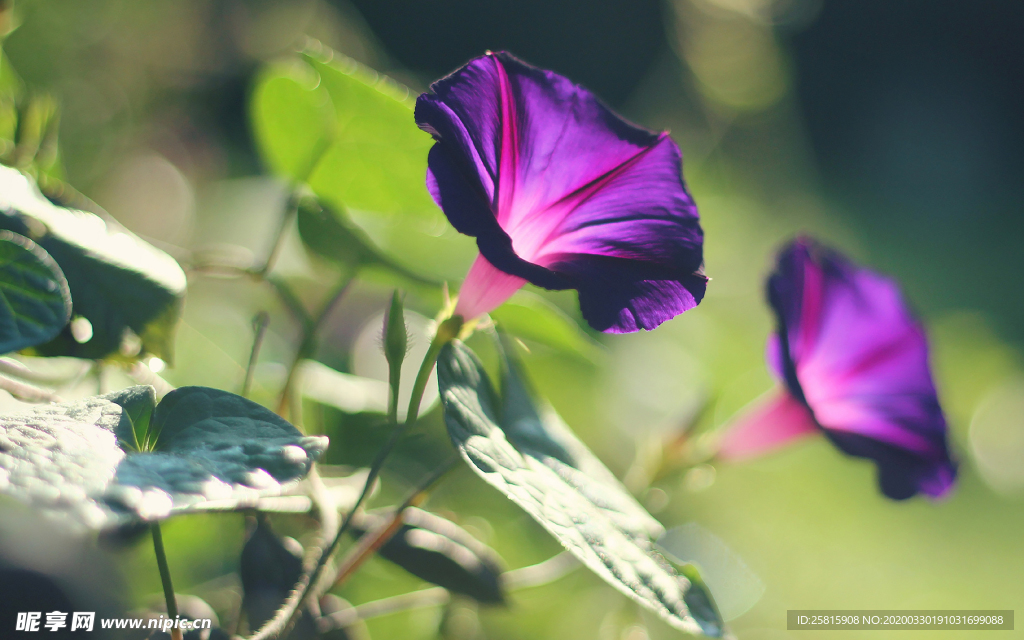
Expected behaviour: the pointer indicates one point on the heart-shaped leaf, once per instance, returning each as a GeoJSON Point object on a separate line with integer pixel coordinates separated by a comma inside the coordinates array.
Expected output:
{"type": "Point", "coordinates": [35, 302]}
{"type": "Point", "coordinates": [349, 134]}
{"type": "Point", "coordinates": [439, 551]}
{"type": "Point", "coordinates": [344, 129]}
{"type": "Point", "coordinates": [118, 282]}
{"type": "Point", "coordinates": [212, 451]}
{"type": "Point", "coordinates": [379, 157]}
{"type": "Point", "coordinates": [532, 458]}
{"type": "Point", "coordinates": [292, 119]}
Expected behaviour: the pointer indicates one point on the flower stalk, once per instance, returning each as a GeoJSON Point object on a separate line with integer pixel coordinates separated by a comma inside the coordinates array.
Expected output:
{"type": "Point", "coordinates": [165, 578]}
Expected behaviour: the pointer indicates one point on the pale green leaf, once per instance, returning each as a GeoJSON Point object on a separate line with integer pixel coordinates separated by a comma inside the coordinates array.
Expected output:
{"type": "Point", "coordinates": [292, 119]}
{"type": "Point", "coordinates": [736, 587]}
{"type": "Point", "coordinates": [378, 161]}
{"type": "Point", "coordinates": [531, 317]}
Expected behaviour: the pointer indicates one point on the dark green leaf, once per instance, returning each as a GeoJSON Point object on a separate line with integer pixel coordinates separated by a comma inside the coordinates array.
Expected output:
{"type": "Point", "coordinates": [119, 283]}
{"type": "Point", "coordinates": [232, 438]}
{"type": "Point", "coordinates": [327, 233]}
{"type": "Point", "coordinates": [532, 458]}
{"type": "Point", "coordinates": [269, 570]}
{"type": "Point", "coordinates": [35, 302]}
{"type": "Point", "coordinates": [439, 551]}
{"type": "Point", "coordinates": [533, 318]}
{"type": "Point", "coordinates": [327, 236]}
{"type": "Point", "coordinates": [214, 453]}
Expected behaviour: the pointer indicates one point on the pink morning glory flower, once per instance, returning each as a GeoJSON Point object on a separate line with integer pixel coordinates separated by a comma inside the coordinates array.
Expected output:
{"type": "Point", "coordinates": [854, 365]}
{"type": "Point", "coordinates": [563, 193]}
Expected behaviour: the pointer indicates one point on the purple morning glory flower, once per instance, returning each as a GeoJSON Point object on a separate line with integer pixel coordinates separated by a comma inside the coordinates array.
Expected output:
{"type": "Point", "coordinates": [561, 192]}
{"type": "Point", "coordinates": [854, 363]}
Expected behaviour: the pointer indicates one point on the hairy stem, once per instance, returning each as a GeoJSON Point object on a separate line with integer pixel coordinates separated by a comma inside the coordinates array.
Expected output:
{"type": "Point", "coordinates": [394, 385]}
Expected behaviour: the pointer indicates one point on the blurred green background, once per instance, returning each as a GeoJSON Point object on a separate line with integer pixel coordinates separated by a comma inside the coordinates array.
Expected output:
{"type": "Point", "coordinates": [893, 130]}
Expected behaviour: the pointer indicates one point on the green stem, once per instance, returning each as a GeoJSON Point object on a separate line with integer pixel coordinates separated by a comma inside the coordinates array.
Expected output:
{"type": "Point", "coordinates": [165, 572]}
{"type": "Point", "coordinates": [309, 339]}
{"type": "Point", "coordinates": [447, 331]}
{"type": "Point", "coordinates": [260, 324]}
{"type": "Point", "coordinates": [394, 384]}
{"type": "Point", "coordinates": [288, 298]}
{"type": "Point", "coordinates": [374, 540]}
{"type": "Point", "coordinates": [292, 208]}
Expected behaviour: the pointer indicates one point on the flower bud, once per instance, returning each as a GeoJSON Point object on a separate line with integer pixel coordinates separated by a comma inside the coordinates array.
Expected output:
{"type": "Point", "coordinates": [396, 338]}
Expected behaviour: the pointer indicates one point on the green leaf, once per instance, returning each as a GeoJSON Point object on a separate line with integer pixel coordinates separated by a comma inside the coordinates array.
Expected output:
{"type": "Point", "coordinates": [439, 551]}
{"type": "Point", "coordinates": [232, 437]}
{"type": "Point", "coordinates": [378, 161]}
{"type": "Point", "coordinates": [736, 587]}
{"type": "Point", "coordinates": [11, 84]}
{"type": "Point", "coordinates": [213, 451]}
{"type": "Point", "coordinates": [138, 403]}
{"type": "Point", "coordinates": [269, 571]}
{"type": "Point", "coordinates": [35, 302]}
{"type": "Point", "coordinates": [326, 235]}
{"type": "Point", "coordinates": [292, 119]}
{"type": "Point", "coordinates": [532, 457]}
{"type": "Point", "coordinates": [533, 318]}
{"type": "Point", "coordinates": [344, 129]}
{"type": "Point", "coordinates": [350, 134]}
{"type": "Point", "coordinates": [119, 283]}
{"type": "Point", "coordinates": [329, 234]}
{"type": "Point", "coordinates": [35, 139]}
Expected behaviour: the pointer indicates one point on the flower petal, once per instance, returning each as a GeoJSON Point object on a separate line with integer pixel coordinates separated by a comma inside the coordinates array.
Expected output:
{"type": "Point", "coordinates": [622, 296]}
{"type": "Point", "coordinates": [853, 352]}
{"type": "Point", "coordinates": [554, 185]}
{"type": "Point", "coordinates": [462, 200]}
{"type": "Point", "coordinates": [629, 213]}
